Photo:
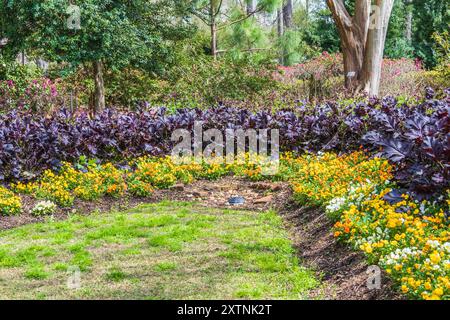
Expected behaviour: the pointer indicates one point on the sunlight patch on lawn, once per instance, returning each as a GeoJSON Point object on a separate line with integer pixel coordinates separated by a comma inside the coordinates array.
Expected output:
{"type": "Point", "coordinates": [169, 250]}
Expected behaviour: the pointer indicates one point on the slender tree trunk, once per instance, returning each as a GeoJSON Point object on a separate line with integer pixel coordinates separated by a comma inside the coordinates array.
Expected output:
{"type": "Point", "coordinates": [287, 14]}
{"type": "Point", "coordinates": [408, 32]}
{"type": "Point", "coordinates": [307, 10]}
{"type": "Point", "coordinates": [287, 11]}
{"type": "Point", "coordinates": [99, 95]}
{"type": "Point", "coordinates": [251, 6]}
{"type": "Point", "coordinates": [280, 31]}
{"type": "Point", "coordinates": [213, 31]}
{"type": "Point", "coordinates": [374, 50]}
{"type": "Point", "coordinates": [409, 18]}
{"type": "Point", "coordinates": [214, 40]}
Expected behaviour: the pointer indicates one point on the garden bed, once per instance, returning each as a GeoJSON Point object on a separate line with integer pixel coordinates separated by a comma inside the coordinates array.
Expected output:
{"type": "Point", "coordinates": [406, 237]}
{"type": "Point", "coordinates": [208, 193]}
{"type": "Point", "coordinates": [343, 271]}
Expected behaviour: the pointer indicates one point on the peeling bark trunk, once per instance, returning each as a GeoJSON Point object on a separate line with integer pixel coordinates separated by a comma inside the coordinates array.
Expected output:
{"type": "Point", "coordinates": [99, 95]}
{"type": "Point", "coordinates": [376, 39]}
{"type": "Point", "coordinates": [353, 34]}
{"type": "Point", "coordinates": [362, 40]}
{"type": "Point", "coordinates": [353, 55]}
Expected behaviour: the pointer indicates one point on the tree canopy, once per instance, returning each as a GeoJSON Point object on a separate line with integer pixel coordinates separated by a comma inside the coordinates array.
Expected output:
{"type": "Point", "coordinates": [120, 33]}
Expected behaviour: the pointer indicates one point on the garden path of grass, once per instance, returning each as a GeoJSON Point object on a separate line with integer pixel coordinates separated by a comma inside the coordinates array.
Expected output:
{"type": "Point", "coordinates": [168, 250]}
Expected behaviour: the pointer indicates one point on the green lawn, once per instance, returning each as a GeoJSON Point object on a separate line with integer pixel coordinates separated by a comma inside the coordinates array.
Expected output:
{"type": "Point", "coordinates": [158, 251]}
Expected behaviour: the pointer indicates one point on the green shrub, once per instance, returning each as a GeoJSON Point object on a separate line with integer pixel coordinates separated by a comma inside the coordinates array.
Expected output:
{"type": "Point", "coordinates": [202, 81]}
{"type": "Point", "coordinates": [441, 74]}
{"type": "Point", "coordinates": [25, 87]}
{"type": "Point", "coordinates": [20, 74]}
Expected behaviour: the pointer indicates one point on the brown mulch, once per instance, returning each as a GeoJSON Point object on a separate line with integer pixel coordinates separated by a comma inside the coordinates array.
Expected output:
{"type": "Point", "coordinates": [341, 269]}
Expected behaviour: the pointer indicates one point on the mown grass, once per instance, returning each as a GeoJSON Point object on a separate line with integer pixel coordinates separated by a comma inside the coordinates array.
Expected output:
{"type": "Point", "coordinates": [169, 250]}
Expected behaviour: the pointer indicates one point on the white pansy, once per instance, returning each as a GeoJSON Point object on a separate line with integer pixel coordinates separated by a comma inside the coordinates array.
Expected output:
{"type": "Point", "coordinates": [44, 208]}
{"type": "Point", "coordinates": [335, 204]}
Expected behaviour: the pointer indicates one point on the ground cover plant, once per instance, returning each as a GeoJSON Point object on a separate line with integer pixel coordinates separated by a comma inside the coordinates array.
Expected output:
{"type": "Point", "coordinates": [167, 250]}
{"type": "Point", "coordinates": [409, 238]}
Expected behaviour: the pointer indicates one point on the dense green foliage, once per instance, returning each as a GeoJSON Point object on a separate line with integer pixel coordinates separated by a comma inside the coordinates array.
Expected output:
{"type": "Point", "coordinates": [430, 16]}
{"type": "Point", "coordinates": [118, 33]}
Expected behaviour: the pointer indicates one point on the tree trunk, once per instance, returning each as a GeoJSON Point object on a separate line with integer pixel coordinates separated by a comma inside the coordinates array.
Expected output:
{"type": "Point", "coordinates": [353, 55]}
{"type": "Point", "coordinates": [362, 39]}
{"type": "Point", "coordinates": [251, 6]}
{"type": "Point", "coordinates": [374, 50]}
{"type": "Point", "coordinates": [287, 10]}
{"type": "Point", "coordinates": [409, 27]}
{"type": "Point", "coordinates": [99, 95]}
{"type": "Point", "coordinates": [280, 31]}
{"type": "Point", "coordinates": [409, 18]}
{"type": "Point", "coordinates": [214, 40]}
{"type": "Point", "coordinates": [287, 14]}
{"type": "Point", "coordinates": [213, 31]}
{"type": "Point", "coordinates": [353, 34]}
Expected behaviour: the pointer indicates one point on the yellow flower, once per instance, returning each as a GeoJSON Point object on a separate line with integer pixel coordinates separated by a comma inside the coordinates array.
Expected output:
{"type": "Point", "coordinates": [435, 257]}
{"type": "Point", "coordinates": [438, 292]}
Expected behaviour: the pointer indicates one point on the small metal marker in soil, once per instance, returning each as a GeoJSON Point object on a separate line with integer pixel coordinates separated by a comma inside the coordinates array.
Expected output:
{"type": "Point", "coordinates": [237, 200]}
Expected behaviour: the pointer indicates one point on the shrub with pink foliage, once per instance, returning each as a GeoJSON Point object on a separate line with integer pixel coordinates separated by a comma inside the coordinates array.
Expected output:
{"type": "Point", "coordinates": [40, 95]}
{"type": "Point", "coordinates": [7, 93]}
{"type": "Point", "coordinates": [321, 68]}
{"type": "Point", "coordinates": [402, 77]}
{"type": "Point", "coordinates": [322, 77]}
